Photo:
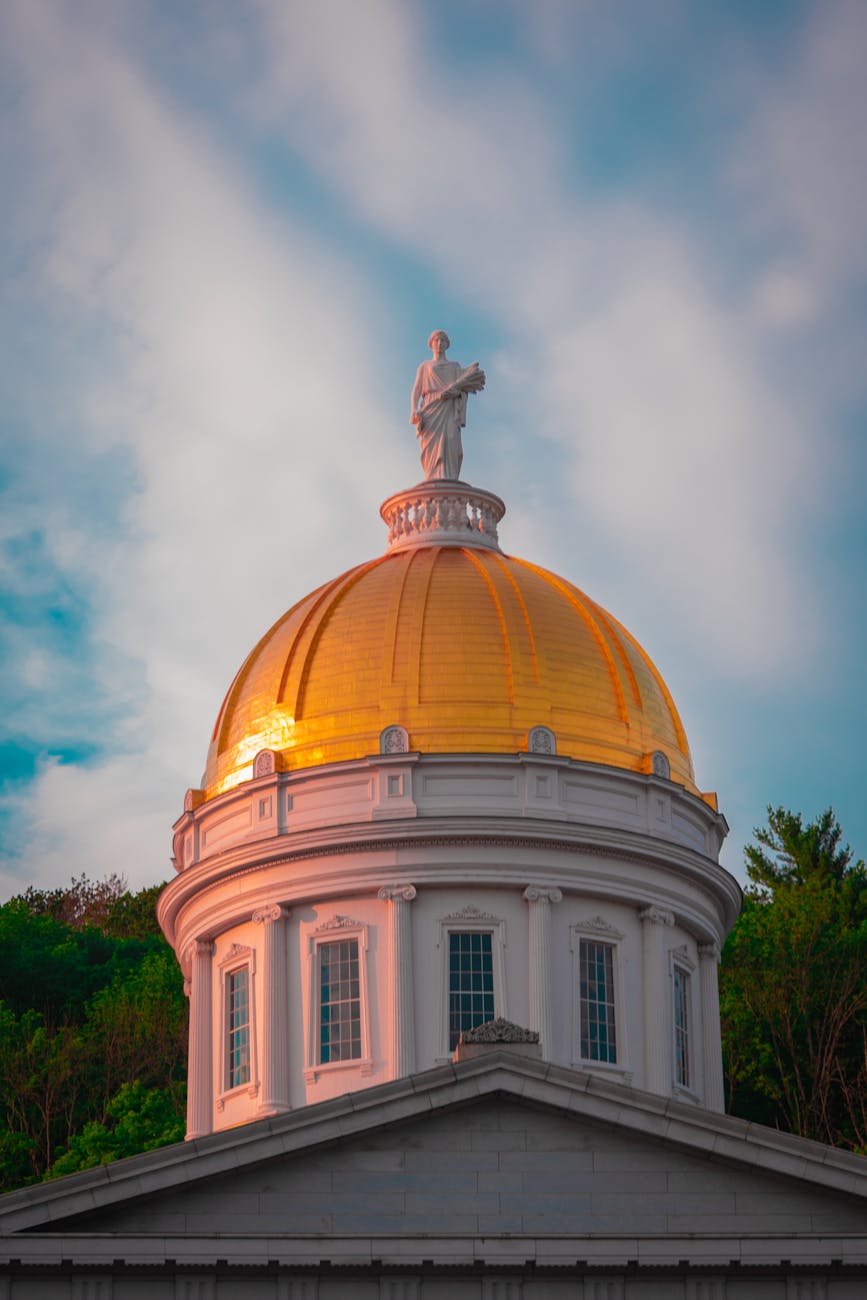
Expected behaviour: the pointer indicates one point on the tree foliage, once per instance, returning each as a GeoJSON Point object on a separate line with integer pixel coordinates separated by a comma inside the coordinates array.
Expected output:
{"type": "Point", "coordinates": [793, 983]}
{"type": "Point", "coordinates": [93, 1030]}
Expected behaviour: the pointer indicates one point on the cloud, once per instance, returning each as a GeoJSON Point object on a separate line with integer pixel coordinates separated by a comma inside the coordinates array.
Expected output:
{"type": "Point", "coordinates": [681, 448]}
{"type": "Point", "coordinates": [802, 164]}
{"type": "Point", "coordinates": [235, 382]}
{"type": "Point", "coordinates": [95, 818]}
{"type": "Point", "coordinates": [211, 443]}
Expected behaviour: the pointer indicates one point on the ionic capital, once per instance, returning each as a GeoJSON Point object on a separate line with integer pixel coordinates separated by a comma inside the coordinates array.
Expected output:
{"type": "Point", "coordinates": [543, 894]}
{"type": "Point", "coordinates": [274, 912]}
{"type": "Point", "coordinates": [657, 916]}
{"type": "Point", "coordinates": [397, 893]}
{"type": "Point", "coordinates": [201, 948]}
{"type": "Point", "coordinates": [709, 952]}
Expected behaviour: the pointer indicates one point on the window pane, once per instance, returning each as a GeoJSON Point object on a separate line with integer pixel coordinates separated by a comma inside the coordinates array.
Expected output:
{"type": "Point", "coordinates": [238, 1027]}
{"type": "Point", "coordinates": [340, 1002]}
{"type": "Point", "coordinates": [681, 1027]}
{"type": "Point", "coordinates": [471, 981]}
{"type": "Point", "coordinates": [597, 1032]}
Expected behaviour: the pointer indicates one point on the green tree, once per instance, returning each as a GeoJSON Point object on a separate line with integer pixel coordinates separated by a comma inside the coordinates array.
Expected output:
{"type": "Point", "coordinates": [91, 1000]}
{"type": "Point", "coordinates": [793, 982]}
{"type": "Point", "coordinates": [138, 1119]}
{"type": "Point", "coordinates": [137, 1027]}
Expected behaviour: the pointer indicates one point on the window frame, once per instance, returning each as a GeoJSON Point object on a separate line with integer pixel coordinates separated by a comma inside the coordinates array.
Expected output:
{"type": "Point", "coordinates": [237, 957]}
{"type": "Point", "coordinates": [679, 959]}
{"type": "Point", "coordinates": [470, 920]}
{"type": "Point", "coordinates": [338, 929]}
{"type": "Point", "coordinates": [598, 930]}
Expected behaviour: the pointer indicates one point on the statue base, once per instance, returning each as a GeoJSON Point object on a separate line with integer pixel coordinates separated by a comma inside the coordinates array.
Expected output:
{"type": "Point", "coordinates": [443, 512]}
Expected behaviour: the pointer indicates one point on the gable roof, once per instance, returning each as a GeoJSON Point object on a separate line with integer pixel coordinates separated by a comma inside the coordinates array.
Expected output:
{"type": "Point", "coordinates": [718, 1139]}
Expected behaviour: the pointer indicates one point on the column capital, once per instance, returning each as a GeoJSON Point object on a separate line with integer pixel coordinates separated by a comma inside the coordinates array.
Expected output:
{"type": "Point", "coordinates": [657, 916]}
{"type": "Point", "coordinates": [397, 893]}
{"type": "Point", "coordinates": [273, 912]}
{"type": "Point", "coordinates": [201, 948]}
{"type": "Point", "coordinates": [543, 894]}
{"type": "Point", "coordinates": [710, 951]}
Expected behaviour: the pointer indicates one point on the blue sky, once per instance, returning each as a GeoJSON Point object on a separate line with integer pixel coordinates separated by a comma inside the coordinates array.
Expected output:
{"type": "Point", "coordinates": [228, 229]}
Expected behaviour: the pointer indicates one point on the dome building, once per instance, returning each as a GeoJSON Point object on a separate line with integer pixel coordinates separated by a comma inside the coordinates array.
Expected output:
{"type": "Point", "coordinates": [445, 789]}
{"type": "Point", "coordinates": [449, 907]}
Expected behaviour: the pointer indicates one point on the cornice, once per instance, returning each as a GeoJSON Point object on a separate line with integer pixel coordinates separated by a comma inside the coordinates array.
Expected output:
{"type": "Point", "coordinates": [203, 909]}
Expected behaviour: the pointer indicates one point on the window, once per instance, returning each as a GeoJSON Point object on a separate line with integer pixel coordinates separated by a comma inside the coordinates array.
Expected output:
{"type": "Point", "coordinates": [471, 981]}
{"type": "Point", "coordinates": [338, 1021]}
{"type": "Point", "coordinates": [339, 1002]}
{"type": "Point", "coordinates": [238, 1027]}
{"type": "Point", "coordinates": [681, 1028]}
{"type": "Point", "coordinates": [237, 1017]}
{"type": "Point", "coordinates": [597, 1018]}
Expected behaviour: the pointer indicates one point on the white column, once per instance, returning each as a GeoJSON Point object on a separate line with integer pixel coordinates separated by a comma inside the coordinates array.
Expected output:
{"type": "Point", "coordinates": [400, 963]}
{"type": "Point", "coordinates": [274, 1098]}
{"type": "Point", "coordinates": [540, 899]}
{"type": "Point", "coordinates": [711, 1034]}
{"type": "Point", "coordinates": [200, 1076]}
{"type": "Point", "coordinates": [657, 1047]}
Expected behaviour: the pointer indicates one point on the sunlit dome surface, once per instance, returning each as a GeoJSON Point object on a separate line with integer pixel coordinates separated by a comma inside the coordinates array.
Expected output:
{"type": "Point", "coordinates": [466, 648]}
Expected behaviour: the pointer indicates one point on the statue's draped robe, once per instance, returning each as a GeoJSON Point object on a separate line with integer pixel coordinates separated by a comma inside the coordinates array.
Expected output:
{"type": "Point", "coordinates": [440, 422]}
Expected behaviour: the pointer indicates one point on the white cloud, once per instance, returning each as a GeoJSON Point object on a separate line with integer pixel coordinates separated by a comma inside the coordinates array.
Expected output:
{"type": "Point", "coordinates": [239, 383]}
{"type": "Point", "coordinates": [243, 386]}
{"type": "Point", "coordinates": [802, 161]}
{"type": "Point", "coordinates": [99, 818]}
{"type": "Point", "coordinates": [684, 451]}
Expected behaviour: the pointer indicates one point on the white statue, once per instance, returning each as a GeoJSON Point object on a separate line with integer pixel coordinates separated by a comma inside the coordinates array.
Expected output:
{"type": "Point", "coordinates": [439, 408]}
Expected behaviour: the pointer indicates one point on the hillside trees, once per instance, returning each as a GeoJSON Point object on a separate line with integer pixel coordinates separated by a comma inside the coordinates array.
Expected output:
{"type": "Point", "coordinates": [793, 984]}
{"type": "Point", "coordinates": [92, 1030]}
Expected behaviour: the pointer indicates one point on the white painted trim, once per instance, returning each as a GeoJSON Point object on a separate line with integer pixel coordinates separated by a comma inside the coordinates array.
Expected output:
{"type": "Point", "coordinates": [333, 931]}
{"type": "Point", "coordinates": [679, 957]}
{"type": "Point", "coordinates": [471, 920]}
{"type": "Point", "coordinates": [598, 930]}
{"type": "Point", "coordinates": [236, 957]}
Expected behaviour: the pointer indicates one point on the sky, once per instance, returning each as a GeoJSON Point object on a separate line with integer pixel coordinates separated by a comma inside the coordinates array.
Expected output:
{"type": "Point", "coordinates": [228, 228]}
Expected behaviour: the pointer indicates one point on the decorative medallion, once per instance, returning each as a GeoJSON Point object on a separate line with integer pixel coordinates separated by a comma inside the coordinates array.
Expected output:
{"type": "Point", "coordinates": [338, 923]}
{"type": "Point", "coordinates": [471, 913]}
{"type": "Point", "coordinates": [499, 1031]}
{"type": "Point", "coordinates": [264, 764]}
{"type": "Point", "coordinates": [394, 740]}
{"type": "Point", "coordinates": [542, 740]}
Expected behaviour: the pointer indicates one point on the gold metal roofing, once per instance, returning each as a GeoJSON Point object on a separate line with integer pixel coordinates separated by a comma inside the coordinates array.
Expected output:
{"type": "Point", "coordinates": [466, 648]}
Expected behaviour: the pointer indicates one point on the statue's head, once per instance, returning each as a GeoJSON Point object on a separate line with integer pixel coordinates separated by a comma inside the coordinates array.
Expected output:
{"type": "Point", "coordinates": [439, 334]}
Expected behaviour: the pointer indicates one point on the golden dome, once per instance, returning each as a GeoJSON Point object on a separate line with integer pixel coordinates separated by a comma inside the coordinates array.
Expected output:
{"type": "Point", "coordinates": [466, 648]}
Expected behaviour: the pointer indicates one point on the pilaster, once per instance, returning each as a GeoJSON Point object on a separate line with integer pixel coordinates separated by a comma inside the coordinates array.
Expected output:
{"type": "Point", "coordinates": [539, 898]}
{"type": "Point", "coordinates": [275, 1010]}
{"type": "Point", "coordinates": [400, 961]}
{"type": "Point", "coordinates": [657, 1047]}
{"type": "Point", "coordinates": [711, 1033]}
{"type": "Point", "coordinates": [200, 1079]}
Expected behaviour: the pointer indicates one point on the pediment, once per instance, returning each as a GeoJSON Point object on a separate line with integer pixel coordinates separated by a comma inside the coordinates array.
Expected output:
{"type": "Point", "coordinates": [497, 1145]}
{"type": "Point", "coordinates": [494, 1166]}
